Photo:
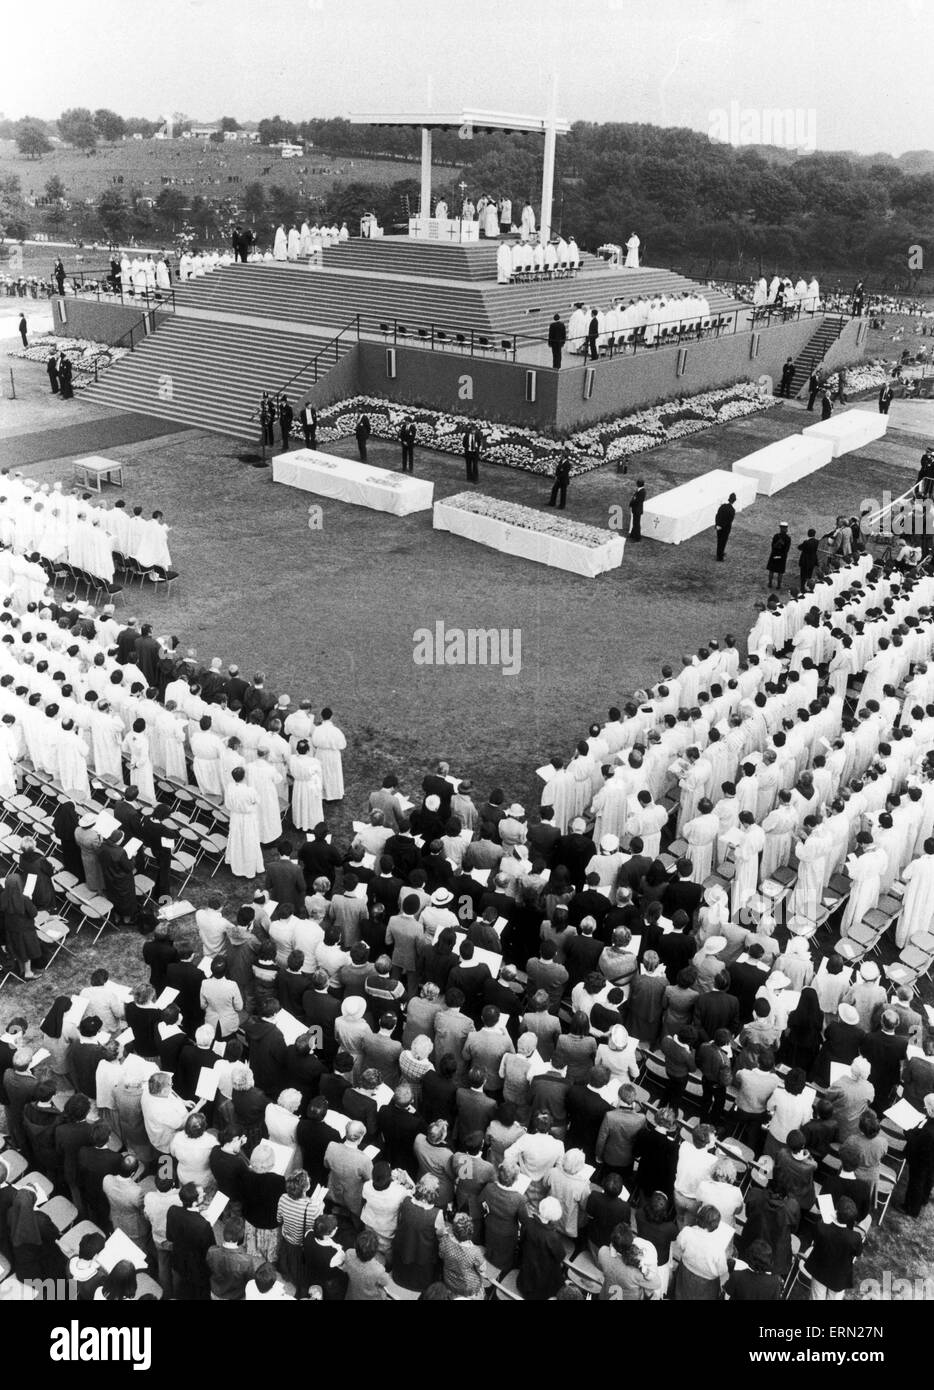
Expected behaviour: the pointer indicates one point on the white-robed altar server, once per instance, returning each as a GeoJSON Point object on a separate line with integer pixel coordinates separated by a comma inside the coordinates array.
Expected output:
{"type": "Point", "coordinates": [490, 221]}
{"type": "Point", "coordinates": [243, 853]}
{"type": "Point", "coordinates": [328, 743]}
{"type": "Point", "coordinates": [163, 280]}
{"type": "Point", "coordinates": [280, 247]}
{"type": "Point", "coordinates": [577, 329]}
{"type": "Point", "coordinates": [304, 239]}
{"type": "Point", "coordinates": [813, 295]}
{"type": "Point", "coordinates": [632, 252]}
{"type": "Point", "coordinates": [293, 244]}
{"type": "Point", "coordinates": [137, 753]}
{"type": "Point", "coordinates": [265, 779]}
{"type": "Point", "coordinates": [307, 805]}
{"type": "Point", "coordinates": [527, 221]}
{"type": "Point", "coordinates": [917, 913]}
{"type": "Point", "coordinates": [206, 757]}
{"type": "Point", "coordinates": [504, 263]}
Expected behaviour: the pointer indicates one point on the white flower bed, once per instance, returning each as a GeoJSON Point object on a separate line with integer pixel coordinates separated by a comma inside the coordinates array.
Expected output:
{"type": "Point", "coordinates": [515, 447]}
{"type": "Point", "coordinates": [83, 353]}
{"type": "Point", "coordinates": [528, 519]}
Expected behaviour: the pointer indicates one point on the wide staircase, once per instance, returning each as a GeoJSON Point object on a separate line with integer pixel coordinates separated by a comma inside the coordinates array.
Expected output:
{"type": "Point", "coordinates": [443, 260]}
{"type": "Point", "coordinates": [210, 376]}
{"type": "Point", "coordinates": [814, 351]}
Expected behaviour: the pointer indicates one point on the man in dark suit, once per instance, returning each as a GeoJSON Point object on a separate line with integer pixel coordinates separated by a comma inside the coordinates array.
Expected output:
{"type": "Point", "coordinates": [885, 397]}
{"type": "Point", "coordinates": [159, 953]}
{"type": "Point", "coordinates": [885, 1051]}
{"type": "Point", "coordinates": [590, 902]}
{"type": "Point", "coordinates": [723, 522]}
{"type": "Point", "coordinates": [543, 837]}
{"type": "Point", "coordinates": [593, 335]}
{"type": "Point", "coordinates": [147, 654]}
{"type": "Point", "coordinates": [237, 687]}
{"type": "Point", "coordinates": [258, 696]}
{"type": "Point", "coordinates": [185, 976]}
{"type": "Point", "coordinates": [303, 1069]}
{"type": "Point", "coordinates": [400, 1125]}
{"type": "Point", "coordinates": [313, 1136]}
{"type": "Point", "coordinates": [407, 437]}
{"type": "Point", "coordinates": [717, 1008]}
{"type": "Point", "coordinates": [95, 1161]}
{"type": "Point", "coordinates": [473, 446]}
{"type": "Point", "coordinates": [285, 882]}
{"type": "Point", "coordinates": [635, 868]}
{"type": "Point", "coordinates": [190, 1238]}
{"type": "Point", "coordinates": [747, 976]}
{"type": "Point", "coordinates": [129, 814]}
{"type": "Point", "coordinates": [586, 1109]}
{"type": "Point", "coordinates": [815, 381]}
{"type": "Point", "coordinates": [362, 431]}
{"type": "Point", "coordinates": [267, 1050]}
{"type": "Point", "coordinates": [575, 851]}
{"type": "Point", "coordinates": [788, 371]}
{"type": "Point", "coordinates": [308, 419]}
{"type": "Point", "coordinates": [172, 1041]}
{"type": "Point", "coordinates": [681, 893]}
{"type": "Point", "coordinates": [559, 488]}
{"type": "Point", "coordinates": [385, 887]}
{"type": "Point", "coordinates": [321, 1009]}
{"type": "Point", "coordinates": [286, 416]}
{"type": "Point", "coordinates": [557, 337]}
{"type": "Point", "coordinates": [636, 508]}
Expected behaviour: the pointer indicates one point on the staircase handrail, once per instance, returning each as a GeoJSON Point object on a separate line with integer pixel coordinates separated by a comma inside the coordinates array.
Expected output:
{"type": "Point", "coordinates": [146, 321]}
{"type": "Point", "coordinates": [352, 324]}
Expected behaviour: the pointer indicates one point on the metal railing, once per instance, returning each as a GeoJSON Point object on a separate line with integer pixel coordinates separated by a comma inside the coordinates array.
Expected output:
{"type": "Point", "coordinates": [145, 324]}
{"type": "Point", "coordinates": [323, 360]}
{"type": "Point", "coordinates": [98, 284]}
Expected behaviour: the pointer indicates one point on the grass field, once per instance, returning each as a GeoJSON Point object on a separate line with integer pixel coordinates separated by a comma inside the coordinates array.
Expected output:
{"type": "Point", "coordinates": [332, 613]}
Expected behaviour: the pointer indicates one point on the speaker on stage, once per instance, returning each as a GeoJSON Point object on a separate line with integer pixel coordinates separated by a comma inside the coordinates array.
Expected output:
{"type": "Point", "coordinates": [590, 377]}
{"type": "Point", "coordinates": [391, 363]}
{"type": "Point", "coordinates": [531, 385]}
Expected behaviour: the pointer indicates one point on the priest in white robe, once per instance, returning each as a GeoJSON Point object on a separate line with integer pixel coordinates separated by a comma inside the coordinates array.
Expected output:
{"type": "Point", "coordinates": [558, 793]}
{"type": "Point", "coordinates": [917, 914]}
{"type": "Point", "coordinates": [305, 769]}
{"type": "Point", "coordinates": [865, 867]}
{"type": "Point", "coordinates": [610, 807]}
{"type": "Point", "coordinates": [205, 755]}
{"type": "Point", "coordinates": [280, 247]}
{"type": "Point", "coordinates": [503, 263]}
{"type": "Point", "coordinates": [328, 743]}
{"type": "Point", "coordinates": [778, 826]}
{"type": "Point", "coordinates": [632, 252]}
{"type": "Point", "coordinates": [813, 295]}
{"type": "Point", "coordinates": [750, 843]}
{"type": "Point", "coordinates": [243, 854]}
{"type": "Point", "coordinates": [577, 329]}
{"type": "Point", "coordinates": [264, 779]}
{"type": "Point", "coordinates": [646, 821]}
{"type": "Point", "coordinates": [490, 222]}
{"type": "Point", "coordinates": [73, 763]}
{"type": "Point", "coordinates": [701, 833]}
{"type": "Point", "coordinates": [293, 244]}
{"type": "Point", "coordinates": [528, 221]}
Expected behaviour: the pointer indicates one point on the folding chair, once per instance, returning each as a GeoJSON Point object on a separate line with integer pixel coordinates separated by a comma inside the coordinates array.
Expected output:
{"type": "Point", "coordinates": [70, 1239]}
{"type": "Point", "coordinates": [61, 1213]}
{"type": "Point", "coordinates": [53, 932]}
{"type": "Point", "coordinates": [35, 1179]}
{"type": "Point", "coordinates": [16, 1165]}
{"type": "Point", "coordinates": [146, 1287]}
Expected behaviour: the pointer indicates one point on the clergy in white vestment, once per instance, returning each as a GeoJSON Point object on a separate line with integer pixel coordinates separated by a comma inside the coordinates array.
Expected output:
{"type": "Point", "coordinates": [243, 854]}
{"type": "Point", "coordinates": [813, 295]}
{"type": "Point", "coordinates": [264, 779]}
{"type": "Point", "coordinates": [9, 753]}
{"type": "Point", "coordinates": [610, 808]}
{"type": "Point", "coordinates": [751, 842]}
{"type": "Point", "coordinates": [304, 239]}
{"type": "Point", "coordinates": [606, 864]}
{"type": "Point", "coordinates": [280, 249]}
{"type": "Point", "coordinates": [577, 329]}
{"type": "Point", "coordinates": [293, 244]}
{"type": "Point", "coordinates": [505, 214]}
{"type": "Point", "coordinates": [775, 285]}
{"type": "Point", "coordinates": [441, 209]}
{"type": "Point", "coordinates": [647, 821]}
{"type": "Point", "coordinates": [528, 221]}
{"type": "Point", "coordinates": [136, 752]}
{"type": "Point", "coordinates": [694, 784]}
{"type": "Point", "coordinates": [701, 832]}
{"type": "Point", "coordinates": [344, 234]}
{"type": "Point", "coordinates": [490, 221]}
{"type": "Point", "coordinates": [73, 763]}
{"type": "Point", "coordinates": [299, 724]}
{"type": "Point", "coordinates": [917, 914]}
{"type": "Point", "coordinates": [574, 255]}
{"type": "Point", "coordinates": [106, 739]}
{"type": "Point", "coordinates": [558, 793]}
{"type": "Point", "coordinates": [503, 263]}
{"type": "Point", "coordinates": [865, 868]}
{"type": "Point", "coordinates": [632, 252]}
{"type": "Point", "coordinates": [205, 754]}
{"type": "Point", "coordinates": [760, 294]}
{"type": "Point", "coordinates": [778, 826]}
{"type": "Point", "coordinates": [328, 743]}
{"type": "Point", "coordinates": [307, 807]}
{"type": "Point", "coordinates": [162, 274]}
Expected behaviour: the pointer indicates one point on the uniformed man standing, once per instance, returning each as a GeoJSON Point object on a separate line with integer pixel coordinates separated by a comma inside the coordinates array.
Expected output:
{"type": "Point", "coordinates": [473, 444]}
{"type": "Point", "coordinates": [286, 416]}
{"type": "Point", "coordinates": [723, 521]}
{"type": "Point", "coordinates": [407, 437]}
{"type": "Point", "coordinates": [636, 508]}
{"type": "Point", "coordinates": [559, 488]}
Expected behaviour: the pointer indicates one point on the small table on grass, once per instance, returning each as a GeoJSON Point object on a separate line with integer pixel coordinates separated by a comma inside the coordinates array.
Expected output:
{"type": "Point", "coordinates": [95, 470]}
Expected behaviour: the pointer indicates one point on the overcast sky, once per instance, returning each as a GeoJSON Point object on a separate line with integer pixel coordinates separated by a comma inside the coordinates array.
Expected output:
{"type": "Point", "coordinates": [862, 67]}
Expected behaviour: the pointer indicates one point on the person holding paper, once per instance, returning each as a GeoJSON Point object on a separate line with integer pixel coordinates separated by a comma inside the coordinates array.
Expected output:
{"type": "Point", "coordinates": [19, 915]}
{"type": "Point", "coordinates": [32, 1239]}
{"type": "Point", "coordinates": [191, 1148]}
{"type": "Point", "coordinates": [105, 1000]}
{"type": "Point", "coordinates": [119, 880]}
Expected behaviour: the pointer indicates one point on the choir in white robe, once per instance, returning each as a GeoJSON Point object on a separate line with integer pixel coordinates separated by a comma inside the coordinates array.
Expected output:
{"type": "Point", "coordinates": [746, 858]}
{"type": "Point", "coordinates": [866, 871]}
{"type": "Point", "coordinates": [243, 853]}
{"type": "Point", "coordinates": [328, 743]}
{"type": "Point", "coordinates": [136, 752]}
{"type": "Point", "coordinates": [701, 834]}
{"type": "Point", "coordinates": [206, 765]}
{"type": "Point", "coordinates": [73, 766]}
{"type": "Point", "coordinates": [778, 827]}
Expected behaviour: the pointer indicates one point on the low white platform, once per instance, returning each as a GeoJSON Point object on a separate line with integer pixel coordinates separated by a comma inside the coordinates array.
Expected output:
{"type": "Point", "coordinates": [685, 511]}
{"type": "Point", "coordinates": [785, 462]}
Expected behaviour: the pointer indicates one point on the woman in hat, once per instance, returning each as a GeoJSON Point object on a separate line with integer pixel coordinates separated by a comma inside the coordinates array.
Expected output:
{"type": "Point", "coordinates": [713, 914]}
{"type": "Point", "coordinates": [795, 962]}
{"type": "Point", "coordinates": [352, 1030]}
{"type": "Point", "coordinates": [866, 994]}
{"type": "Point", "coordinates": [89, 842]}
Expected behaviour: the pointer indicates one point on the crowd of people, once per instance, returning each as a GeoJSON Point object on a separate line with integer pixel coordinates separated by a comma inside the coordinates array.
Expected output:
{"type": "Point", "coordinates": [643, 320]}
{"type": "Point", "coordinates": [457, 1053]}
{"type": "Point", "coordinates": [58, 528]}
{"type": "Point", "coordinates": [781, 293]}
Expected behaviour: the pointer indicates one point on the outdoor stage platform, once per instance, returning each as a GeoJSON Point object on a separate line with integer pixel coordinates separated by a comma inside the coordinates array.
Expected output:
{"type": "Point", "coordinates": [422, 323]}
